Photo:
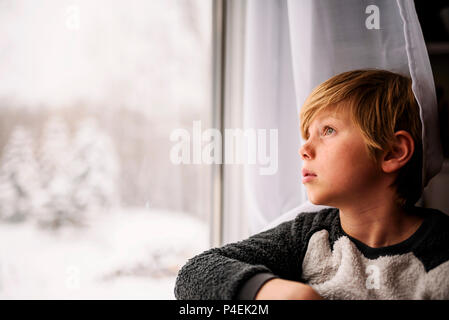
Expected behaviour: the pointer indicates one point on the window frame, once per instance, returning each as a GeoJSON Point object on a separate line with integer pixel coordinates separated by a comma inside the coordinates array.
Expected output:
{"type": "Point", "coordinates": [229, 220]}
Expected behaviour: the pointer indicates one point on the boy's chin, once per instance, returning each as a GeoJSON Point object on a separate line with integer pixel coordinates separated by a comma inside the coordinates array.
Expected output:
{"type": "Point", "coordinates": [319, 201]}
{"type": "Point", "coordinates": [316, 201]}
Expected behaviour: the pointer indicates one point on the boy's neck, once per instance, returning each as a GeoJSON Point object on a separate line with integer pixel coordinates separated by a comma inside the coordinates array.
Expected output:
{"type": "Point", "coordinates": [379, 225]}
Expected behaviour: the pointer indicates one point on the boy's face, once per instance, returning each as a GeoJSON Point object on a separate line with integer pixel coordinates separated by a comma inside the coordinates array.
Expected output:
{"type": "Point", "coordinates": [335, 152]}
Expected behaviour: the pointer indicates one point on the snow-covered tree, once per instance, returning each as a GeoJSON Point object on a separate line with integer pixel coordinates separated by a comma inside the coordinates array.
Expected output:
{"type": "Point", "coordinates": [71, 178]}
{"type": "Point", "coordinates": [19, 180]}
{"type": "Point", "coordinates": [55, 152]}
{"type": "Point", "coordinates": [55, 160]}
{"type": "Point", "coordinates": [96, 168]}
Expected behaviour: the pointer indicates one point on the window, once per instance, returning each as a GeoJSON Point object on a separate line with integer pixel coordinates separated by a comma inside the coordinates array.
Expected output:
{"type": "Point", "coordinates": [91, 205]}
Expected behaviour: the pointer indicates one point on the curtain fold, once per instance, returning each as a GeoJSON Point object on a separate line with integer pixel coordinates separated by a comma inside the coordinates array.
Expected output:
{"type": "Point", "coordinates": [423, 88]}
{"type": "Point", "coordinates": [291, 47]}
{"type": "Point", "coordinates": [270, 103]}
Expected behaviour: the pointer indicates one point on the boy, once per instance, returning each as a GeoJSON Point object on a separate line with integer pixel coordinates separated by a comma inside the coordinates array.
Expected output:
{"type": "Point", "coordinates": [362, 156]}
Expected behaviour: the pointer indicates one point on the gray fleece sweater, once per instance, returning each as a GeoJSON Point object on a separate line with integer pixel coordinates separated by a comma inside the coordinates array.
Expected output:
{"type": "Point", "coordinates": [314, 249]}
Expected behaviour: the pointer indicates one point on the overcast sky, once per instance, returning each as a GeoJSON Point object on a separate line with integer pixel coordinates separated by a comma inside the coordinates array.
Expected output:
{"type": "Point", "coordinates": [147, 55]}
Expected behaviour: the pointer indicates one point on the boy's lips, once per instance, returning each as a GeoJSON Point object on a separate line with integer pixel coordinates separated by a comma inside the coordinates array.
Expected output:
{"type": "Point", "coordinates": [307, 175]}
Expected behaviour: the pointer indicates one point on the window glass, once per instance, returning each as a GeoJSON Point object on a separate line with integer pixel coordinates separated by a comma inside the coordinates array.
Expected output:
{"type": "Point", "coordinates": [91, 203]}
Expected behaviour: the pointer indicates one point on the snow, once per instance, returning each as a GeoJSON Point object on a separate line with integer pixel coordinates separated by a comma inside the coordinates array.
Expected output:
{"type": "Point", "coordinates": [130, 253]}
{"type": "Point", "coordinates": [61, 59]}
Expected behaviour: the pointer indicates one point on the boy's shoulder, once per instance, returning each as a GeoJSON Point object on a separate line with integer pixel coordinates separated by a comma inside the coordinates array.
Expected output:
{"type": "Point", "coordinates": [433, 249]}
{"type": "Point", "coordinates": [437, 220]}
{"type": "Point", "coordinates": [307, 223]}
{"type": "Point", "coordinates": [438, 214]}
{"type": "Point", "coordinates": [317, 219]}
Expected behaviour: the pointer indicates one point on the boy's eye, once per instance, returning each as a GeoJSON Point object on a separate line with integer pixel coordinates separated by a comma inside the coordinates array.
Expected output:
{"type": "Point", "coordinates": [328, 129]}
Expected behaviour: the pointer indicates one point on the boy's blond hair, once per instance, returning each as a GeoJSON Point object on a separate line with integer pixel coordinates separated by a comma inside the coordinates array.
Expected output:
{"type": "Point", "coordinates": [380, 103]}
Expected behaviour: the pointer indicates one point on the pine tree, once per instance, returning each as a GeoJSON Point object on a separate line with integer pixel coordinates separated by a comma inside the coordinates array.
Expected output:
{"type": "Point", "coordinates": [96, 169]}
{"type": "Point", "coordinates": [19, 180]}
{"type": "Point", "coordinates": [56, 159]}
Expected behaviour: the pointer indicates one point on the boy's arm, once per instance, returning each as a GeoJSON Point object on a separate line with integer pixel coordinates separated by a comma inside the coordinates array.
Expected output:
{"type": "Point", "coordinates": [280, 289]}
{"type": "Point", "coordinates": [238, 270]}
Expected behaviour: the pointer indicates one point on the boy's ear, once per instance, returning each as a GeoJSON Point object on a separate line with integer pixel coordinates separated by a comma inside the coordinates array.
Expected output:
{"type": "Point", "coordinates": [400, 153]}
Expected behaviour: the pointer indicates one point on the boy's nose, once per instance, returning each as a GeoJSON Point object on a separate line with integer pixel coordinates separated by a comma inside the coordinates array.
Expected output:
{"type": "Point", "coordinates": [304, 152]}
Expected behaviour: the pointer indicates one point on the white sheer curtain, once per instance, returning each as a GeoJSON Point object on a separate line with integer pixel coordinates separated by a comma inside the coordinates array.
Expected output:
{"type": "Point", "coordinates": [292, 46]}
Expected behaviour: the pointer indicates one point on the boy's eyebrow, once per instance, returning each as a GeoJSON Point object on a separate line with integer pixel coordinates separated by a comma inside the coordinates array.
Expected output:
{"type": "Point", "coordinates": [330, 116]}
{"type": "Point", "coordinates": [327, 117]}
